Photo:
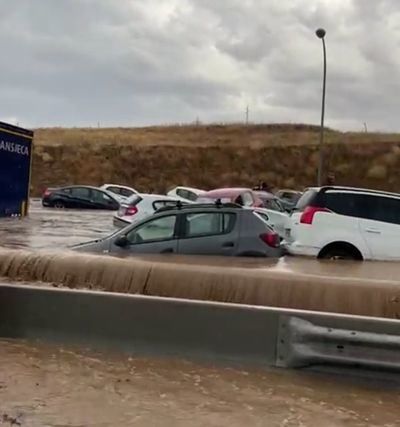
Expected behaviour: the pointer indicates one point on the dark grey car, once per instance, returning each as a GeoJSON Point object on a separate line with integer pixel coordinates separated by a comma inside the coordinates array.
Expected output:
{"type": "Point", "coordinates": [215, 229]}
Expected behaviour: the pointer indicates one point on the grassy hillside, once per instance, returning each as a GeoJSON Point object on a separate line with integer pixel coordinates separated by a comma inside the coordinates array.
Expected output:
{"type": "Point", "coordinates": [209, 156]}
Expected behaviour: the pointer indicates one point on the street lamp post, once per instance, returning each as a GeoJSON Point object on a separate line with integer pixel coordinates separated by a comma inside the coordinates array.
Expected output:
{"type": "Point", "coordinates": [321, 35]}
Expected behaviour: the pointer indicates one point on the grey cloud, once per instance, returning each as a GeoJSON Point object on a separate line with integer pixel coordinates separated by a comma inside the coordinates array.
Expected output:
{"type": "Point", "coordinates": [130, 62]}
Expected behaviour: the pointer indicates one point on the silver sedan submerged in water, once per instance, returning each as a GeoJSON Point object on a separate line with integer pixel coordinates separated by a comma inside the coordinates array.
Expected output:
{"type": "Point", "coordinates": [208, 229]}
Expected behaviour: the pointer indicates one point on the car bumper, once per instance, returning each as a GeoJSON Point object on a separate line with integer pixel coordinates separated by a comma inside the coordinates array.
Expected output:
{"type": "Point", "coordinates": [120, 222]}
{"type": "Point", "coordinates": [296, 248]}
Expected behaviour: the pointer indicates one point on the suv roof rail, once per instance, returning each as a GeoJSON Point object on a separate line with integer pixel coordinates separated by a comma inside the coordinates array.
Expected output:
{"type": "Point", "coordinates": [180, 206]}
{"type": "Point", "coordinates": [356, 189]}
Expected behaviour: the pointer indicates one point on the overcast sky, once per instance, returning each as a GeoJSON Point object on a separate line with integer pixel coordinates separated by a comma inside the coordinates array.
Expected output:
{"type": "Point", "coordinates": [142, 62]}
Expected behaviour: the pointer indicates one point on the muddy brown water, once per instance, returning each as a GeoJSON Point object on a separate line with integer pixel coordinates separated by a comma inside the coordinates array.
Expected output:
{"type": "Point", "coordinates": [34, 252]}
{"type": "Point", "coordinates": [42, 385]}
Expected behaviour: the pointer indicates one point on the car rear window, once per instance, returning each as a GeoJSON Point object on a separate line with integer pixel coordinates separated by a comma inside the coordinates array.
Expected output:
{"type": "Point", "coordinates": [133, 200]}
{"type": "Point", "coordinates": [125, 192]}
{"type": "Point", "coordinates": [306, 200]}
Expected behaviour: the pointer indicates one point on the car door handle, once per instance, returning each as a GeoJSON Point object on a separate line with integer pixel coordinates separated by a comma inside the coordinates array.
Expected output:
{"type": "Point", "coordinates": [373, 230]}
{"type": "Point", "coordinates": [228, 245]}
{"type": "Point", "coordinates": [167, 251]}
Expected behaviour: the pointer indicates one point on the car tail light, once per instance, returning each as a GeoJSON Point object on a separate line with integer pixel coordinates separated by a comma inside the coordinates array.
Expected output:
{"type": "Point", "coordinates": [132, 210]}
{"type": "Point", "coordinates": [307, 216]}
{"type": "Point", "coordinates": [271, 239]}
{"type": "Point", "coordinates": [46, 193]}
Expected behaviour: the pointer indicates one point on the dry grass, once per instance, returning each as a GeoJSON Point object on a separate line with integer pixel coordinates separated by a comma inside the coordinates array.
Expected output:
{"type": "Point", "coordinates": [213, 155]}
{"type": "Point", "coordinates": [253, 135]}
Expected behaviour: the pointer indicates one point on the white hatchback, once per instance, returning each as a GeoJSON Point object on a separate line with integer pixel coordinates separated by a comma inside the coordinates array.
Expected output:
{"type": "Point", "coordinates": [186, 193]}
{"type": "Point", "coordinates": [345, 223]}
{"type": "Point", "coordinates": [140, 206]}
{"type": "Point", "coordinates": [121, 192]}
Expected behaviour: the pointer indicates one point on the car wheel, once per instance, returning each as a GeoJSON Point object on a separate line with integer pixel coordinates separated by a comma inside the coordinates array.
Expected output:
{"type": "Point", "coordinates": [340, 254]}
{"type": "Point", "coordinates": [59, 204]}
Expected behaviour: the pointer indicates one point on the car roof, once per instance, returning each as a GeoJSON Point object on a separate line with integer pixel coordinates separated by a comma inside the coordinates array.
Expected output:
{"type": "Point", "coordinates": [151, 197]}
{"type": "Point", "coordinates": [201, 207]}
{"type": "Point", "coordinates": [358, 190]}
{"type": "Point", "coordinates": [156, 196]}
{"type": "Point", "coordinates": [92, 187]}
{"type": "Point", "coordinates": [192, 189]}
{"type": "Point", "coordinates": [225, 192]}
{"type": "Point", "coordinates": [118, 185]}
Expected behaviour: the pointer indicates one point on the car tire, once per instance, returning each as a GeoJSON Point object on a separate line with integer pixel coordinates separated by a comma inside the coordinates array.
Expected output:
{"type": "Point", "coordinates": [59, 204]}
{"type": "Point", "coordinates": [340, 254]}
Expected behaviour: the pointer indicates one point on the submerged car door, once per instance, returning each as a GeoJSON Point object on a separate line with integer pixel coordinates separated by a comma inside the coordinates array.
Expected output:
{"type": "Point", "coordinates": [208, 233]}
{"type": "Point", "coordinates": [155, 236]}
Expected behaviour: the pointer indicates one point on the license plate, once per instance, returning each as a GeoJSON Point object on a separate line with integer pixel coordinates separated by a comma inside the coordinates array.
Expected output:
{"type": "Point", "coordinates": [287, 232]}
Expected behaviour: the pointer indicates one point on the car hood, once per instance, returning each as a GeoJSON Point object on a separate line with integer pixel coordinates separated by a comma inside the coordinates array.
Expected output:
{"type": "Point", "coordinates": [97, 245]}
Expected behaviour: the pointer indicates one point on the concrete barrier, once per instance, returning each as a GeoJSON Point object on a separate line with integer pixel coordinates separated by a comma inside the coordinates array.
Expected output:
{"type": "Point", "coordinates": [197, 329]}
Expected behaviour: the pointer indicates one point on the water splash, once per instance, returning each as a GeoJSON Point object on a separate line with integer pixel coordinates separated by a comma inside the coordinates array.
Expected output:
{"type": "Point", "coordinates": [242, 284]}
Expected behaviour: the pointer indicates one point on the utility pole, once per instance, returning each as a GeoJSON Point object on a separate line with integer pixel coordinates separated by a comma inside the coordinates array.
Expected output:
{"type": "Point", "coordinates": [321, 35]}
{"type": "Point", "coordinates": [247, 114]}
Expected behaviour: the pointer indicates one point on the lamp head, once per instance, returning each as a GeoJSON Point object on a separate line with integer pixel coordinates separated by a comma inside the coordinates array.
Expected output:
{"type": "Point", "coordinates": [320, 33]}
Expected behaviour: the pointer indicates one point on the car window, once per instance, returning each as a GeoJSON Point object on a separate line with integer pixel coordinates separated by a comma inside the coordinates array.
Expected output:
{"type": "Point", "coordinates": [66, 190]}
{"type": "Point", "coordinates": [378, 208]}
{"type": "Point", "coordinates": [115, 190]}
{"type": "Point", "coordinates": [273, 205]}
{"type": "Point", "coordinates": [208, 224]}
{"type": "Point", "coordinates": [192, 196]}
{"type": "Point", "coordinates": [100, 197]}
{"type": "Point", "coordinates": [155, 230]}
{"type": "Point", "coordinates": [306, 199]}
{"type": "Point", "coordinates": [247, 199]}
{"type": "Point", "coordinates": [125, 192]}
{"type": "Point", "coordinates": [133, 200]}
{"type": "Point", "coordinates": [239, 200]}
{"type": "Point", "coordinates": [185, 194]}
{"type": "Point", "coordinates": [81, 192]}
{"type": "Point", "coordinates": [344, 203]}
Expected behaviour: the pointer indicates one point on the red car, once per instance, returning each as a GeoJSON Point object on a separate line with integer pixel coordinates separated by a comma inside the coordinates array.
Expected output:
{"type": "Point", "coordinates": [241, 196]}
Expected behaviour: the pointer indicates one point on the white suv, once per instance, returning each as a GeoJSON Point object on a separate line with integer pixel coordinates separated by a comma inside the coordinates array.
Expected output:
{"type": "Point", "coordinates": [345, 223]}
{"type": "Point", "coordinates": [140, 206]}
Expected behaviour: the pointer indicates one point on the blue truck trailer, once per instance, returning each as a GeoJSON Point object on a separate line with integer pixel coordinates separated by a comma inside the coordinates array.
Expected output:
{"type": "Point", "coordinates": [15, 169]}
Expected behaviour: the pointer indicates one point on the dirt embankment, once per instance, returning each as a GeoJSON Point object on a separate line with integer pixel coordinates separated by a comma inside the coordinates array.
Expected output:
{"type": "Point", "coordinates": [210, 156]}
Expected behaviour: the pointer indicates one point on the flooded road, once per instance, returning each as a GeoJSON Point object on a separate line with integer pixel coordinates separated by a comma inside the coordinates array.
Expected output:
{"type": "Point", "coordinates": [53, 229]}
{"type": "Point", "coordinates": [50, 386]}
{"type": "Point", "coordinates": [42, 385]}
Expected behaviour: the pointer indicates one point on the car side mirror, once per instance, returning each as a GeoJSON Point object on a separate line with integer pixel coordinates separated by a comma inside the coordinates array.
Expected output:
{"type": "Point", "coordinates": [121, 241]}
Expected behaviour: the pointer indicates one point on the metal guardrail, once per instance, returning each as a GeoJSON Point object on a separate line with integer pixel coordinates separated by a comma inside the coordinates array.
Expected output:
{"type": "Point", "coordinates": [205, 330]}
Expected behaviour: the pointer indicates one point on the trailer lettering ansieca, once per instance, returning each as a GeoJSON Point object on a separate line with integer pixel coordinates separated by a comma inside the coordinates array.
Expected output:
{"type": "Point", "coordinates": [15, 169]}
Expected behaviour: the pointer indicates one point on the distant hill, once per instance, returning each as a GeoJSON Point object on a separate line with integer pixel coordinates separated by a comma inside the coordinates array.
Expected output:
{"type": "Point", "coordinates": [209, 156]}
